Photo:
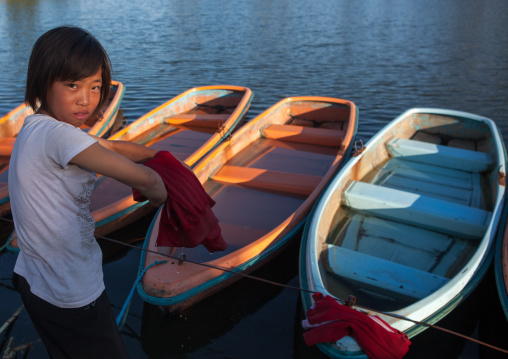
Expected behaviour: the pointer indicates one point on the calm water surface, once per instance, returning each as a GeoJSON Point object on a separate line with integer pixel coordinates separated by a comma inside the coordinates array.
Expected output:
{"type": "Point", "coordinates": [386, 56]}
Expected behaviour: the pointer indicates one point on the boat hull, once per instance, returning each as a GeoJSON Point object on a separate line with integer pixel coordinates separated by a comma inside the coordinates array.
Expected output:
{"type": "Point", "coordinates": [264, 180]}
{"type": "Point", "coordinates": [395, 226]}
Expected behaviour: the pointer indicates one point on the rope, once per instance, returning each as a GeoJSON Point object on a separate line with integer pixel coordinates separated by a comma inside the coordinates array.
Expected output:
{"type": "Point", "coordinates": [122, 316]}
{"type": "Point", "coordinates": [183, 259]}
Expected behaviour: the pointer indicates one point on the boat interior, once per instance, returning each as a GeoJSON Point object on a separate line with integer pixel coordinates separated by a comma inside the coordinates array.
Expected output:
{"type": "Point", "coordinates": [182, 134]}
{"type": "Point", "coordinates": [412, 212]}
{"type": "Point", "coordinates": [280, 165]}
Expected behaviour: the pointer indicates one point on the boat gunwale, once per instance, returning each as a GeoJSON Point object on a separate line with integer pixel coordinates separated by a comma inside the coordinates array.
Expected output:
{"type": "Point", "coordinates": [501, 261]}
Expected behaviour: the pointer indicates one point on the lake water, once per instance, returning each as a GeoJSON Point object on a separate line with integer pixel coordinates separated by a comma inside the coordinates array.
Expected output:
{"type": "Point", "coordinates": [386, 56]}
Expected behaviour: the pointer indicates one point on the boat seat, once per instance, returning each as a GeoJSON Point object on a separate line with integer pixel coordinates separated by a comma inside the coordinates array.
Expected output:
{"type": "Point", "coordinates": [284, 182]}
{"type": "Point", "coordinates": [202, 120]}
{"type": "Point", "coordinates": [302, 134]}
{"type": "Point", "coordinates": [383, 276]}
{"type": "Point", "coordinates": [434, 181]}
{"type": "Point", "coordinates": [439, 155]}
{"type": "Point", "coordinates": [415, 209]}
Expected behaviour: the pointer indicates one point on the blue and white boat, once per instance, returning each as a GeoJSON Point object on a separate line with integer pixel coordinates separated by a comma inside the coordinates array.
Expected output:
{"type": "Point", "coordinates": [408, 225]}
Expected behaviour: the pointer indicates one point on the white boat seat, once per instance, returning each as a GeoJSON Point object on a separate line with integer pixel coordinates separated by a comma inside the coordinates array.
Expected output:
{"type": "Point", "coordinates": [412, 208]}
{"type": "Point", "coordinates": [439, 155]}
{"type": "Point", "coordinates": [383, 276]}
{"type": "Point", "coordinates": [434, 181]}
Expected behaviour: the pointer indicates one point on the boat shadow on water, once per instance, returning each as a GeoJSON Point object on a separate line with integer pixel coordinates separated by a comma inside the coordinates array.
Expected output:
{"type": "Point", "coordinates": [480, 317]}
{"type": "Point", "coordinates": [165, 335]}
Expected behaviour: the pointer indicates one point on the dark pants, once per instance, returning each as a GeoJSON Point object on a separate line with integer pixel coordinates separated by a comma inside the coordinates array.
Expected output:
{"type": "Point", "coordinates": [86, 332]}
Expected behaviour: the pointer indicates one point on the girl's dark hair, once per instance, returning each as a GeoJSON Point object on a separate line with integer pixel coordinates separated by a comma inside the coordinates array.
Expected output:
{"type": "Point", "coordinates": [61, 54]}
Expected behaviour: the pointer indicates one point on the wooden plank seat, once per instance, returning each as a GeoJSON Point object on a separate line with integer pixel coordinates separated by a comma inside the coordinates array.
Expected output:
{"type": "Point", "coordinates": [302, 134]}
{"type": "Point", "coordinates": [389, 278]}
{"type": "Point", "coordinates": [439, 155]}
{"type": "Point", "coordinates": [202, 120]}
{"type": "Point", "coordinates": [434, 181]}
{"type": "Point", "coordinates": [284, 182]}
{"type": "Point", "coordinates": [423, 211]}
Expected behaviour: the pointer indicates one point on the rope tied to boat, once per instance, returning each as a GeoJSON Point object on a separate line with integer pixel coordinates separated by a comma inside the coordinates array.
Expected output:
{"type": "Point", "coordinates": [358, 150]}
{"type": "Point", "coordinates": [351, 300]}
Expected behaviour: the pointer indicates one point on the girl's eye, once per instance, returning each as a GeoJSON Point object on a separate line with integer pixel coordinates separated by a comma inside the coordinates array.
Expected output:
{"type": "Point", "coordinates": [72, 86]}
{"type": "Point", "coordinates": [97, 88]}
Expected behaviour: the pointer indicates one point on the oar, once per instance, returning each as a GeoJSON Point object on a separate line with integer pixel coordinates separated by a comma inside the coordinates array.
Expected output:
{"type": "Point", "coordinates": [122, 316]}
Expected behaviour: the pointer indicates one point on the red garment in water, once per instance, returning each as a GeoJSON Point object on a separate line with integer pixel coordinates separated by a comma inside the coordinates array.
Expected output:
{"type": "Point", "coordinates": [187, 219]}
{"type": "Point", "coordinates": [331, 321]}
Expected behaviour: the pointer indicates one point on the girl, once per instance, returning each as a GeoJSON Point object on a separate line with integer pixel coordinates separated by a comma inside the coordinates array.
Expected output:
{"type": "Point", "coordinates": [52, 174]}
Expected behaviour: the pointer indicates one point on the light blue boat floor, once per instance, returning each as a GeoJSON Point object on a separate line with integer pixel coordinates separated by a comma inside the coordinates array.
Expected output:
{"type": "Point", "coordinates": [415, 224]}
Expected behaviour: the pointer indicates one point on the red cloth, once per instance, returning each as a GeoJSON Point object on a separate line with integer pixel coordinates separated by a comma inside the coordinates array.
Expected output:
{"type": "Point", "coordinates": [187, 219]}
{"type": "Point", "coordinates": [331, 321]}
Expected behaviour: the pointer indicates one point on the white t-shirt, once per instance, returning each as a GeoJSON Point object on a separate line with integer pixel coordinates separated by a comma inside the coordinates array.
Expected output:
{"type": "Point", "coordinates": [59, 256]}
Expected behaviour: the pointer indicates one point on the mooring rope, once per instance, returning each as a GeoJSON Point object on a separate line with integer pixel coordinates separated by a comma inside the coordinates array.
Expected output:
{"type": "Point", "coordinates": [182, 259]}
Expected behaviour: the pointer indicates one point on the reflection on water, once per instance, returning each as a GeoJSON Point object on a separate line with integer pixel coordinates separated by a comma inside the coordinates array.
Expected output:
{"type": "Point", "coordinates": [385, 56]}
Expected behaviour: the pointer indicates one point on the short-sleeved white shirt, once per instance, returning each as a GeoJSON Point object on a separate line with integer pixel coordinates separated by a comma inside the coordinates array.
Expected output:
{"type": "Point", "coordinates": [59, 256]}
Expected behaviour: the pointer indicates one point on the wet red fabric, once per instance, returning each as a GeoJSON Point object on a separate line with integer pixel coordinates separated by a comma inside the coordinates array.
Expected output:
{"type": "Point", "coordinates": [187, 219]}
{"type": "Point", "coordinates": [332, 321]}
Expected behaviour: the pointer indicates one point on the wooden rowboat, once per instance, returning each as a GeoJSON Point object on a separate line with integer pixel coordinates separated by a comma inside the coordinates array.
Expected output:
{"type": "Point", "coordinates": [11, 123]}
{"type": "Point", "coordinates": [188, 126]}
{"type": "Point", "coordinates": [264, 180]}
{"type": "Point", "coordinates": [408, 225]}
{"type": "Point", "coordinates": [501, 262]}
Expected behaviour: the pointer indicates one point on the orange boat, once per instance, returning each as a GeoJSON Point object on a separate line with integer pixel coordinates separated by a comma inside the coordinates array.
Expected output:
{"type": "Point", "coordinates": [264, 179]}
{"type": "Point", "coordinates": [11, 123]}
{"type": "Point", "coordinates": [188, 126]}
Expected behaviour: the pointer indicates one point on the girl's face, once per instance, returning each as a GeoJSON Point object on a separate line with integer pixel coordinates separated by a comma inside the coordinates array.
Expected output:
{"type": "Point", "coordinates": [73, 101]}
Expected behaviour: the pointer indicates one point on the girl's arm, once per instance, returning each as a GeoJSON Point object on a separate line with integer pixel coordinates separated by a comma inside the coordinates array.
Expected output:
{"type": "Point", "coordinates": [101, 160]}
{"type": "Point", "coordinates": [133, 151]}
